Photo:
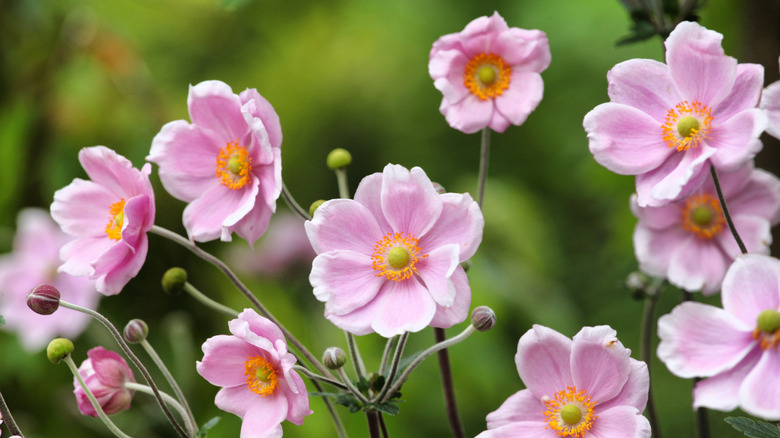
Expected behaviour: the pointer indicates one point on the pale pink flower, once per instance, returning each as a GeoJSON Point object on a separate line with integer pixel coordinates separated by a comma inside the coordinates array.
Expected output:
{"type": "Point", "coordinates": [770, 103]}
{"type": "Point", "coordinates": [666, 123]}
{"type": "Point", "coordinates": [109, 216]}
{"type": "Point", "coordinates": [489, 74]}
{"type": "Point", "coordinates": [736, 347]}
{"type": "Point", "coordinates": [105, 374]}
{"type": "Point", "coordinates": [12, 436]}
{"type": "Point", "coordinates": [256, 374]}
{"type": "Point", "coordinates": [226, 164]}
{"type": "Point", "coordinates": [585, 387]}
{"type": "Point", "coordinates": [34, 261]}
{"type": "Point", "coordinates": [389, 260]}
{"type": "Point", "coordinates": [688, 241]}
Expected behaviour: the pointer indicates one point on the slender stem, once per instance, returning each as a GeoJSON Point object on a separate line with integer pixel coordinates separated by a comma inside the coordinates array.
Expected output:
{"type": "Point", "coordinates": [357, 360]}
{"type": "Point", "coordinates": [445, 370]}
{"type": "Point", "coordinates": [186, 411]}
{"type": "Point", "coordinates": [373, 423]}
{"type": "Point", "coordinates": [383, 426]}
{"type": "Point", "coordinates": [725, 209]}
{"type": "Point", "coordinates": [651, 299]}
{"type": "Point", "coordinates": [316, 377]}
{"type": "Point", "coordinates": [208, 302]}
{"type": "Point", "coordinates": [192, 427]}
{"type": "Point", "coordinates": [332, 411]}
{"type": "Point", "coordinates": [129, 353]}
{"type": "Point", "coordinates": [244, 290]}
{"type": "Point", "coordinates": [341, 179]}
{"type": "Point", "coordinates": [702, 425]}
{"type": "Point", "coordinates": [351, 386]}
{"type": "Point", "coordinates": [484, 156]}
{"type": "Point", "coordinates": [102, 415]}
{"type": "Point", "coordinates": [294, 206]}
{"type": "Point", "coordinates": [386, 389]}
{"type": "Point", "coordinates": [386, 354]}
{"type": "Point", "coordinates": [8, 418]}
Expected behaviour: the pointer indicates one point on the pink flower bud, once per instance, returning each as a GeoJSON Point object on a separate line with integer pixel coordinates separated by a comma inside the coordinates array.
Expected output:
{"type": "Point", "coordinates": [44, 299]}
{"type": "Point", "coordinates": [105, 373]}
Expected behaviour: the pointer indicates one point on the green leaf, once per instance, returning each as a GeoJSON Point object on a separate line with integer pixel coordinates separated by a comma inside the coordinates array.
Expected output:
{"type": "Point", "coordinates": [2, 321]}
{"type": "Point", "coordinates": [389, 408]}
{"type": "Point", "coordinates": [752, 428]}
{"type": "Point", "coordinates": [207, 426]}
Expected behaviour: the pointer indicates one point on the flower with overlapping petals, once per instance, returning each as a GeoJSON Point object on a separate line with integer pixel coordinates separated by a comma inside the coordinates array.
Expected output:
{"type": "Point", "coordinates": [688, 241]}
{"type": "Point", "coordinates": [584, 387]}
{"type": "Point", "coordinates": [489, 74]}
{"type": "Point", "coordinates": [226, 164]}
{"type": "Point", "coordinates": [389, 260]}
{"type": "Point", "coordinates": [667, 123]}
{"type": "Point", "coordinates": [256, 374]}
{"type": "Point", "coordinates": [105, 374]}
{"type": "Point", "coordinates": [109, 216]}
{"type": "Point", "coordinates": [735, 347]}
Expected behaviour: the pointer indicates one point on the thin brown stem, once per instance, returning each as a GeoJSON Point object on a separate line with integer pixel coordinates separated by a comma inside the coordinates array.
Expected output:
{"type": "Point", "coordinates": [725, 209]}
{"type": "Point", "coordinates": [449, 389]}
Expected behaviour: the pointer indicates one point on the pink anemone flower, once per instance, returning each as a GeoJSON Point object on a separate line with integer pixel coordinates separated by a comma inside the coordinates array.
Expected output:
{"type": "Point", "coordinates": [584, 387]}
{"type": "Point", "coordinates": [736, 347]}
{"type": "Point", "coordinates": [105, 374]}
{"type": "Point", "coordinates": [34, 261]}
{"type": "Point", "coordinates": [226, 164]}
{"type": "Point", "coordinates": [389, 260]}
{"type": "Point", "coordinates": [666, 123]}
{"type": "Point", "coordinates": [770, 103]}
{"type": "Point", "coordinates": [688, 241]}
{"type": "Point", "coordinates": [489, 74]}
{"type": "Point", "coordinates": [109, 216]}
{"type": "Point", "coordinates": [256, 374]}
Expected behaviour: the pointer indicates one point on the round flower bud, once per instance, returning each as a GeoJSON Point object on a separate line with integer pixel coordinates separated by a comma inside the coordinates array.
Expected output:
{"type": "Point", "coordinates": [483, 318]}
{"type": "Point", "coordinates": [338, 158]}
{"type": "Point", "coordinates": [334, 358]}
{"type": "Point", "coordinates": [59, 349]}
{"type": "Point", "coordinates": [44, 299]}
{"type": "Point", "coordinates": [173, 280]}
{"type": "Point", "coordinates": [136, 331]}
{"type": "Point", "coordinates": [315, 205]}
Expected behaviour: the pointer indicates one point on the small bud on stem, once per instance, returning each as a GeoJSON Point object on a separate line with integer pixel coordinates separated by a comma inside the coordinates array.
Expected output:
{"type": "Point", "coordinates": [44, 299]}
{"type": "Point", "coordinates": [59, 349]}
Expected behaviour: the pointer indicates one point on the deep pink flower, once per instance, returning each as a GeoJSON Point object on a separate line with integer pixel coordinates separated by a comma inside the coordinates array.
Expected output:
{"type": "Point", "coordinates": [105, 373]}
{"type": "Point", "coordinates": [585, 387]}
{"type": "Point", "coordinates": [226, 163]}
{"type": "Point", "coordinates": [109, 216]}
{"type": "Point", "coordinates": [735, 347]}
{"type": "Point", "coordinates": [256, 374]}
{"type": "Point", "coordinates": [34, 261]}
{"type": "Point", "coordinates": [688, 241]}
{"type": "Point", "coordinates": [389, 260]}
{"type": "Point", "coordinates": [770, 103]}
{"type": "Point", "coordinates": [666, 123]}
{"type": "Point", "coordinates": [489, 74]}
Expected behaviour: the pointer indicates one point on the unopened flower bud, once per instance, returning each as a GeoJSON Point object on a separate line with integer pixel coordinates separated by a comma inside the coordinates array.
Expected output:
{"type": "Point", "coordinates": [44, 299]}
{"type": "Point", "coordinates": [376, 381]}
{"type": "Point", "coordinates": [173, 280]}
{"type": "Point", "coordinates": [136, 331]}
{"type": "Point", "coordinates": [315, 205]}
{"type": "Point", "coordinates": [334, 358]}
{"type": "Point", "coordinates": [338, 158]}
{"type": "Point", "coordinates": [483, 318]}
{"type": "Point", "coordinates": [638, 283]}
{"type": "Point", "coordinates": [59, 349]}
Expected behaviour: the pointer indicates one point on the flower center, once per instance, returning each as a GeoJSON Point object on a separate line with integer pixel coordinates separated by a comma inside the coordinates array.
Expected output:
{"type": "Point", "coordinates": [687, 125]}
{"type": "Point", "coordinates": [260, 376]}
{"type": "Point", "coordinates": [487, 76]}
{"type": "Point", "coordinates": [767, 331]}
{"type": "Point", "coordinates": [395, 256]}
{"type": "Point", "coordinates": [234, 165]}
{"type": "Point", "coordinates": [570, 413]}
{"type": "Point", "coordinates": [116, 218]}
{"type": "Point", "coordinates": [703, 216]}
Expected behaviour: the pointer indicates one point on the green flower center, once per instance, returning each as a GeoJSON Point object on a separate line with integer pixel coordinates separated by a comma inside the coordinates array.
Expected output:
{"type": "Point", "coordinates": [486, 75]}
{"type": "Point", "coordinates": [769, 321]}
{"type": "Point", "coordinates": [398, 257]}
{"type": "Point", "coordinates": [687, 126]}
{"type": "Point", "coordinates": [702, 215]}
{"type": "Point", "coordinates": [571, 414]}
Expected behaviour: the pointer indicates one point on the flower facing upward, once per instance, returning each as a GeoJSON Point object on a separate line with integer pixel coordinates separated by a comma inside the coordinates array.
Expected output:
{"type": "Point", "coordinates": [226, 163]}
{"type": "Point", "coordinates": [489, 74]}
{"type": "Point", "coordinates": [583, 387]}
{"type": "Point", "coordinates": [667, 122]}
{"type": "Point", "coordinates": [736, 347]}
{"type": "Point", "coordinates": [389, 260]}
{"type": "Point", "coordinates": [109, 216]}
{"type": "Point", "coordinates": [105, 373]}
{"type": "Point", "coordinates": [256, 374]}
{"type": "Point", "coordinates": [688, 241]}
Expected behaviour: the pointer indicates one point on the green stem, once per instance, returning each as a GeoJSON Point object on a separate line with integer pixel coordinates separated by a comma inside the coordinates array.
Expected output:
{"type": "Point", "coordinates": [386, 354]}
{"type": "Point", "coordinates": [348, 383]}
{"type": "Point", "coordinates": [8, 418]}
{"type": "Point", "coordinates": [648, 322]}
{"type": "Point", "coordinates": [183, 411]}
{"type": "Point", "coordinates": [725, 209]}
{"type": "Point", "coordinates": [294, 206]}
{"type": "Point", "coordinates": [316, 377]}
{"type": "Point", "coordinates": [341, 179]}
{"type": "Point", "coordinates": [484, 156]}
{"type": "Point", "coordinates": [208, 302]}
{"type": "Point", "coordinates": [389, 389]}
{"type": "Point", "coordinates": [332, 411]}
{"type": "Point", "coordinates": [357, 360]}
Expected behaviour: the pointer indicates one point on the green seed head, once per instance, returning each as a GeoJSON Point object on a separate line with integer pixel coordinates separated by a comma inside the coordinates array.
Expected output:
{"type": "Point", "coordinates": [702, 215]}
{"type": "Point", "coordinates": [338, 158]}
{"type": "Point", "coordinates": [173, 280]}
{"type": "Point", "coordinates": [315, 205]}
{"type": "Point", "coordinates": [687, 126]}
{"type": "Point", "coordinates": [486, 75]}
{"type": "Point", "coordinates": [398, 257]}
{"type": "Point", "coordinates": [571, 414]}
{"type": "Point", "coordinates": [769, 321]}
{"type": "Point", "coordinates": [235, 164]}
{"type": "Point", "coordinates": [59, 349]}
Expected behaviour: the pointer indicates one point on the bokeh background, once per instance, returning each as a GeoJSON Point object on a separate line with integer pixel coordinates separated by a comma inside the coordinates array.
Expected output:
{"type": "Point", "coordinates": [340, 73]}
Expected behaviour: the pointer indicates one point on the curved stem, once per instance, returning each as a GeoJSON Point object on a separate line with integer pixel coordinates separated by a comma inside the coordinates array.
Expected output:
{"type": "Point", "coordinates": [181, 409]}
{"type": "Point", "coordinates": [445, 370]}
{"type": "Point", "coordinates": [357, 360]}
{"type": "Point", "coordinates": [8, 418]}
{"type": "Point", "coordinates": [332, 411]}
{"type": "Point", "coordinates": [208, 302]}
{"type": "Point", "coordinates": [386, 354]}
{"type": "Point", "coordinates": [484, 156]}
{"type": "Point", "coordinates": [351, 386]}
{"type": "Point", "coordinates": [316, 377]}
{"type": "Point", "coordinates": [725, 209]}
{"type": "Point", "coordinates": [388, 389]}
{"type": "Point", "coordinates": [294, 206]}
{"type": "Point", "coordinates": [648, 322]}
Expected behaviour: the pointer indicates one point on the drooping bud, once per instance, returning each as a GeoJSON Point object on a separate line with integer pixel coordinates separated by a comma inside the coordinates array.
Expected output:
{"type": "Point", "coordinates": [338, 158]}
{"type": "Point", "coordinates": [315, 205]}
{"type": "Point", "coordinates": [334, 358]}
{"type": "Point", "coordinates": [44, 299]}
{"type": "Point", "coordinates": [59, 349]}
{"type": "Point", "coordinates": [483, 318]}
{"type": "Point", "coordinates": [173, 280]}
{"type": "Point", "coordinates": [136, 331]}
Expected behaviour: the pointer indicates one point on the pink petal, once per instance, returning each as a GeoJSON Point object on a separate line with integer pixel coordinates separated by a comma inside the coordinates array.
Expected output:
{"type": "Point", "coordinates": [346, 280]}
{"type": "Point", "coordinates": [479, 35]}
{"type": "Point", "coordinates": [409, 200]}
{"type": "Point", "coordinates": [204, 217]}
{"type": "Point", "coordinates": [456, 313]}
{"type": "Point", "coordinates": [469, 115]}
{"type": "Point", "coordinates": [524, 50]}
{"type": "Point", "coordinates": [212, 105]}
{"type": "Point", "coordinates": [118, 265]}
{"type": "Point", "coordinates": [297, 404]}
{"type": "Point", "coordinates": [759, 394]}
{"type": "Point", "coordinates": [600, 363]}
{"type": "Point", "coordinates": [655, 249]}
{"type": "Point", "coordinates": [525, 429]}
{"type": "Point", "coordinates": [644, 84]}
{"type": "Point", "coordinates": [635, 390]}
{"type": "Point", "coordinates": [255, 223]}
{"type": "Point", "coordinates": [698, 264]}
{"type": "Point", "coordinates": [80, 253]}
{"type": "Point", "coordinates": [447, 68]}
{"type": "Point", "coordinates": [702, 340]}
{"type": "Point", "coordinates": [369, 193]}
{"type": "Point", "coordinates": [460, 222]}
{"type": "Point", "coordinates": [543, 361]}
{"type": "Point", "coordinates": [736, 139]}
{"type": "Point", "coordinates": [744, 95]}
{"type": "Point", "coordinates": [760, 196]}
{"type": "Point", "coordinates": [656, 218]}
{"type": "Point", "coordinates": [261, 326]}
{"type": "Point", "coordinates": [721, 391]}
{"type": "Point", "coordinates": [770, 103]}
{"type": "Point", "coordinates": [240, 208]}
{"type": "Point", "coordinates": [264, 111]}
{"type": "Point", "coordinates": [520, 406]}
{"type": "Point", "coordinates": [404, 306]}
{"type": "Point", "coordinates": [223, 360]}
{"type": "Point", "coordinates": [751, 286]}
{"type": "Point", "coordinates": [521, 98]}
{"type": "Point", "coordinates": [435, 272]}
{"type": "Point", "coordinates": [755, 233]}
{"type": "Point", "coordinates": [343, 224]}
{"type": "Point", "coordinates": [620, 421]}
{"type": "Point", "coordinates": [678, 176]}
{"type": "Point", "coordinates": [110, 368]}
{"type": "Point", "coordinates": [82, 208]}
{"type": "Point", "coordinates": [110, 170]}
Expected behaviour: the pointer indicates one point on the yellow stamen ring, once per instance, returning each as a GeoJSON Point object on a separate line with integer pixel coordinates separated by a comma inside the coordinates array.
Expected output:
{"type": "Point", "coordinates": [487, 76]}
{"type": "Point", "coordinates": [687, 125]}
{"type": "Point", "coordinates": [702, 216]}
{"type": "Point", "coordinates": [234, 166]}
{"type": "Point", "coordinates": [260, 375]}
{"type": "Point", "coordinates": [395, 256]}
{"type": "Point", "coordinates": [116, 219]}
{"type": "Point", "coordinates": [570, 412]}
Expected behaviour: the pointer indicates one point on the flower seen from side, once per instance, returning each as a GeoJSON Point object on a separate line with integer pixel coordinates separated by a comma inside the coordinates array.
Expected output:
{"type": "Point", "coordinates": [588, 386]}
{"type": "Point", "coordinates": [256, 374]}
{"type": "Point", "coordinates": [389, 260]}
{"type": "Point", "coordinates": [667, 123]}
{"type": "Point", "coordinates": [688, 241]}
{"type": "Point", "coordinates": [489, 74]}
{"type": "Point", "coordinates": [109, 217]}
{"type": "Point", "coordinates": [226, 164]}
{"type": "Point", "coordinates": [105, 374]}
{"type": "Point", "coordinates": [735, 348]}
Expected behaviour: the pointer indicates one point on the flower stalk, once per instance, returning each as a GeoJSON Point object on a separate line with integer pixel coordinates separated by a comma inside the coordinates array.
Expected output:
{"type": "Point", "coordinates": [725, 209]}
{"type": "Point", "coordinates": [484, 155]}
{"type": "Point", "coordinates": [294, 206]}
{"type": "Point", "coordinates": [445, 370]}
{"type": "Point", "coordinates": [8, 418]}
{"type": "Point", "coordinates": [651, 292]}
{"type": "Point", "coordinates": [208, 302]}
{"type": "Point", "coordinates": [183, 410]}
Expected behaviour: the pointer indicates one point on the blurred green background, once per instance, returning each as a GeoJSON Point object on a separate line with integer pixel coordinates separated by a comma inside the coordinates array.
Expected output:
{"type": "Point", "coordinates": [340, 73]}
